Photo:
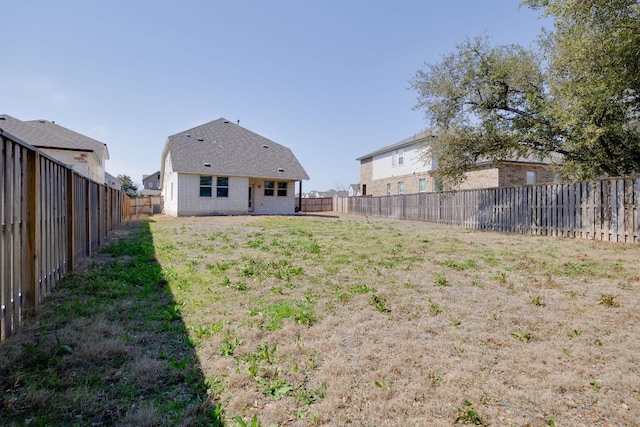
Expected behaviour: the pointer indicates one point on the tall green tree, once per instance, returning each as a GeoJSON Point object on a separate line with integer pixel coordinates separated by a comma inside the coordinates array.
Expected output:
{"type": "Point", "coordinates": [576, 96]}
{"type": "Point", "coordinates": [128, 186]}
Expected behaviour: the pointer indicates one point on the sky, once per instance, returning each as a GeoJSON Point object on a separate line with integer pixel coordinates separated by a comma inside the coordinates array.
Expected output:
{"type": "Point", "coordinates": [327, 78]}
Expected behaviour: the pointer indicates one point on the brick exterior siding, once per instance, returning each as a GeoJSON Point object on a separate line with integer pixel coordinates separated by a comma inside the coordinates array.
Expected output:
{"type": "Point", "coordinates": [489, 176]}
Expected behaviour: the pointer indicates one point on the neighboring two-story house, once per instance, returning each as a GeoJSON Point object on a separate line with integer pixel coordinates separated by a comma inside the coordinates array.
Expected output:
{"type": "Point", "coordinates": [151, 184]}
{"type": "Point", "coordinates": [221, 168]}
{"type": "Point", "coordinates": [85, 155]}
{"type": "Point", "coordinates": [401, 168]}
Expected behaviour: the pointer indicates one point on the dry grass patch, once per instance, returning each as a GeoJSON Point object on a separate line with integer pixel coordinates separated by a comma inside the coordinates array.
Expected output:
{"type": "Point", "coordinates": [379, 322]}
{"type": "Point", "coordinates": [309, 321]}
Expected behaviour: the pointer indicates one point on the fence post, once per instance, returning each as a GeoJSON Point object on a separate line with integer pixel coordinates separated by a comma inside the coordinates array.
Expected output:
{"type": "Point", "coordinates": [71, 226]}
{"type": "Point", "coordinates": [32, 288]}
{"type": "Point", "coordinates": [636, 206]}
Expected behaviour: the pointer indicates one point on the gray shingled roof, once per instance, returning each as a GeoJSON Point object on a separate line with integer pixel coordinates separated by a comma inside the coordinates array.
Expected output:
{"type": "Point", "coordinates": [231, 150]}
{"type": "Point", "coordinates": [400, 144]}
{"type": "Point", "coordinates": [45, 134]}
{"type": "Point", "coordinates": [76, 140]}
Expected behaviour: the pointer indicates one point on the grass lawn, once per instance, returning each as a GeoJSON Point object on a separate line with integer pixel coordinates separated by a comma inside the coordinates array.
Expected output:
{"type": "Point", "coordinates": [304, 321]}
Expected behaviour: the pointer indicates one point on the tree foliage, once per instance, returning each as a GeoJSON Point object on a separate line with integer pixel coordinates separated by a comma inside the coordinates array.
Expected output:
{"type": "Point", "coordinates": [576, 96]}
{"type": "Point", "coordinates": [128, 186]}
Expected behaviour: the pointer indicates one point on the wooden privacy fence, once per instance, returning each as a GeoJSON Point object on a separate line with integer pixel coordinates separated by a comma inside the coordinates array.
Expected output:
{"type": "Point", "coordinates": [606, 209]}
{"type": "Point", "coordinates": [146, 205]}
{"type": "Point", "coordinates": [316, 204]}
{"type": "Point", "coordinates": [51, 219]}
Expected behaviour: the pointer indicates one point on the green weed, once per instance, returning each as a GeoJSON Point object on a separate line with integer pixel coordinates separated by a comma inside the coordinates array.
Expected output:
{"type": "Point", "coordinates": [379, 303]}
{"type": "Point", "coordinates": [537, 301]}
{"type": "Point", "coordinates": [434, 308]}
{"type": "Point", "coordinates": [524, 336]}
{"type": "Point", "coordinates": [275, 388]}
{"type": "Point", "coordinates": [383, 385]}
{"type": "Point", "coordinates": [468, 415]}
{"type": "Point", "coordinates": [574, 333]}
{"type": "Point", "coordinates": [273, 315]}
{"type": "Point", "coordinates": [253, 423]}
{"type": "Point", "coordinates": [441, 280]}
{"type": "Point", "coordinates": [229, 344]}
{"type": "Point", "coordinates": [608, 300]}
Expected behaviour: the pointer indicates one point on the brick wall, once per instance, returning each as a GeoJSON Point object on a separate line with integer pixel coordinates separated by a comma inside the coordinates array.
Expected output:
{"type": "Point", "coordinates": [486, 176]}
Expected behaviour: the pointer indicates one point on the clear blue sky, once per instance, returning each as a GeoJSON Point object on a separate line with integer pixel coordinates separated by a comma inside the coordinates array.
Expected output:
{"type": "Point", "coordinates": [326, 78]}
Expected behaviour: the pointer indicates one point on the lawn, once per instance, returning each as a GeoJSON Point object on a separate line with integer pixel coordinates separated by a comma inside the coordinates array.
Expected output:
{"type": "Point", "coordinates": [349, 320]}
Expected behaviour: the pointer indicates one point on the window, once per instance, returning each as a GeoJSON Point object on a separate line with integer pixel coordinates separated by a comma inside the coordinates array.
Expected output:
{"type": "Point", "coordinates": [401, 187]}
{"type": "Point", "coordinates": [397, 157]}
{"type": "Point", "coordinates": [364, 189]}
{"type": "Point", "coordinates": [150, 185]}
{"type": "Point", "coordinates": [205, 186]}
{"type": "Point", "coordinates": [388, 189]}
{"type": "Point", "coordinates": [282, 189]}
{"type": "Point", "coordinates": [222, 186]}
{"type": "Point", "coordinates": [268, 188]}
{"type": "Point", "coordinates": [531, 177]}
{"type": "Point", "coordinates": [172, 191]}
{"type": "Point", "coordinates": [423, 185]}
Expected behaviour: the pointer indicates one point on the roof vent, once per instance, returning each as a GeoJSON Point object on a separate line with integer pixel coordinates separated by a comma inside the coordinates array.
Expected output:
{"type": "Point", "coordinates": [200, 139]}
{"type": "Point", "coordinates": [265, 146]}
{"type": "Point", "coordinates": [188, 135]}
{"type": "Point", "coordinates": [226, 121]}
{"type": "Point", "coordinates": [207, 165]}
{"type": "Point", "coordinates": [280, 169]}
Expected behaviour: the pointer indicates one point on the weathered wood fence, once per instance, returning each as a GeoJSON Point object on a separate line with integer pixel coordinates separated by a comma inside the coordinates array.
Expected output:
{"type": "Point", "coordinates": [606, 209]}
{"type": "Point", "coordinates": [146, 205]}
{"type": "Point", "coordinates": [316, 204]}
{"type": "Point", "coordinates": [51, 219]}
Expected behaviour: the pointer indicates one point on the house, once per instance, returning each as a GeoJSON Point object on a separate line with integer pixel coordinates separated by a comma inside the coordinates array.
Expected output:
{"type": "Point", "coordinates": [221, 168]}
{"type": "Point", "coordinates": [400, 168]}
{"type": "Point", "coordinates": [354, 190]}
{"type": "Point", "coordinates": [151, 184]}
{"type": "Point", "coordinates": [85, 155]}
{"type": "Point", "coordinates": [112, 181]}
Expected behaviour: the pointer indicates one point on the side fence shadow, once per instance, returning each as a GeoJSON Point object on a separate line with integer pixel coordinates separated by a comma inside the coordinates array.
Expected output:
{"type": "Point", "coordinates": [109, 347]}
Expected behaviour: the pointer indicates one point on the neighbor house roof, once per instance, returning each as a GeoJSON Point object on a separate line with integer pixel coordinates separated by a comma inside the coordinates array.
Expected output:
{"type": "Point", "coordinates": [424, 136]}
{"type": "Point", "coordinates": [224, 148]}
{"type": "Point", "coordinates": [418, 137]}
{"type": "Point", "coordinates": [151, 176]}
{"type": "Point", "coordinates": [76, 141]}
{"type": "Point", "coordinates": [46, 134]}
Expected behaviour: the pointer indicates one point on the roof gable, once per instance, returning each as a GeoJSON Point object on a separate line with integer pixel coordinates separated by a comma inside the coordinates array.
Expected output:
{"type": "Point", "coordinates": [224, 148]}
{"type": "Point", "coordinates": [44, 134]}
